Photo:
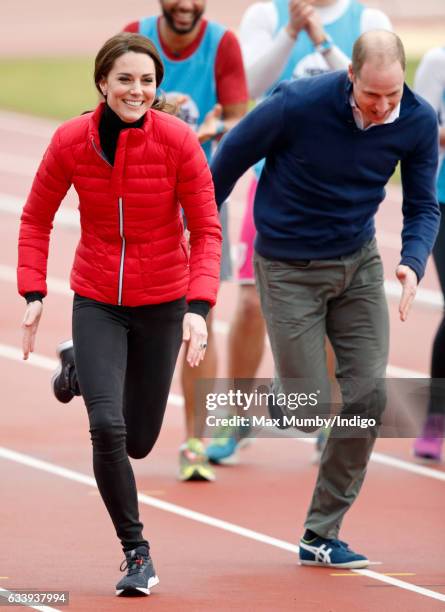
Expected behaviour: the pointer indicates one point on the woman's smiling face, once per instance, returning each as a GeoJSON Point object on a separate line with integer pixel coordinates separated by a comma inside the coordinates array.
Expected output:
{"type": "Point", "coordinates": [130, 86]}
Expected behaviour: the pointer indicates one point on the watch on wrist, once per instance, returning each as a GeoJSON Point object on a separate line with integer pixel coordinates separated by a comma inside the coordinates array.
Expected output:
{"type": "Point", "coordinates": [325, 46]}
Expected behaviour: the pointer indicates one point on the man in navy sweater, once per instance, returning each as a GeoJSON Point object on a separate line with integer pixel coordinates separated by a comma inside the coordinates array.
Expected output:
{"type": "Point", "coordinates": [331, 144]}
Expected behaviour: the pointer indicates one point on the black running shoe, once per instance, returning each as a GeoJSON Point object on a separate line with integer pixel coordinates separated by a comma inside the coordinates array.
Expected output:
{"type": "Point", "coordinates": [63, 382]}
{"type": "Point", "coordinates": [141, 575]}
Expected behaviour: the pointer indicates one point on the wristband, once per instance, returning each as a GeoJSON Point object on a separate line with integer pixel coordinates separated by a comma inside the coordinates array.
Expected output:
{"type": "Point", "coordinates": [325, 46]}
{"type": "Point", "coordinates": [220, 127]}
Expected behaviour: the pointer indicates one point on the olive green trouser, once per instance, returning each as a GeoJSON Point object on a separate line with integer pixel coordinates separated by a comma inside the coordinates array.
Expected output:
{"type": "Point", "coordinates": [342, 298]}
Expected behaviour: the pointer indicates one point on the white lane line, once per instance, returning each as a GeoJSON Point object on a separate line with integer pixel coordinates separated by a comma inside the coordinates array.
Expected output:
{"type": "Point", "coordinates": [69, 218]}
{"type": "Point", "coordinates": [405, 466]}
{"type": "Point", "coordinates": [202, 518]}
{"type": "Point", "coordinates": [60, 287]}
{"type": "Point", "coordinates": [65, 217]}
{"type": "Point", "coordinates": [28, 126]}
{"type": "Point", "coordinates": [45, 363]}
{"type": "Point", "coordinates": [427, 297]}
{"type": "Point", "coordinates": [6, 593]}
{"type": "Point", "coordinates": [21, 165]}
{"type": "Point", "coordinates": [395, 372]}
{"type": "Point", "coordinates": [147, 500]}
{"type": "Point", "coordinates": [403, 585]}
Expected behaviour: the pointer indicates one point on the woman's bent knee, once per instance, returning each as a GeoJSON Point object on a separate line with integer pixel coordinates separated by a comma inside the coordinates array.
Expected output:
{"type": "Point", "coordinates": [108, 438]}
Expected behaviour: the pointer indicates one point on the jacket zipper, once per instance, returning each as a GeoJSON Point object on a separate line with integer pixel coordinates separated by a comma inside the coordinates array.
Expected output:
{"type": "Point", "coordinates": [100, 153]}
{"type": "Point", "coordinates": [121, 265]}
{"type": "Point", "coordinates": [121, 230]}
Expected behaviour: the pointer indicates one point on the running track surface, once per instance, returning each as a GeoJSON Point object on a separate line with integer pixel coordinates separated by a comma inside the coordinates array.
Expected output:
{"type": "Point", "coordinates": [239, 550]}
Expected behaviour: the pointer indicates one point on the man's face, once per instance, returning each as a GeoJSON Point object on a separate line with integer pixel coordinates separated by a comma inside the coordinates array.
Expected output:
{"type": "Point", "coordinates": [182, 15]}
{"type": "Point", "coordinates": [377, 90]}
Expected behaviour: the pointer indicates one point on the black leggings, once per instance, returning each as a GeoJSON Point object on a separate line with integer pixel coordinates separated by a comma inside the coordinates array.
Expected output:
{"type": "Point", "coordinates": [125, 359]}
{"type": "Point", "coordinates": [437, 403]}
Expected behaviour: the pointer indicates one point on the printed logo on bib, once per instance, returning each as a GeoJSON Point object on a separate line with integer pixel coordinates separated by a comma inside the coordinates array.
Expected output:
{"type": "Point", "coordinates": [188, 111]}
{"type": "Point", "coordinates": [311, 65]}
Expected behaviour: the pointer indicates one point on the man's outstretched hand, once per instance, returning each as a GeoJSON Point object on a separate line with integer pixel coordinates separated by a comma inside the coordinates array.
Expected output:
{"type": "Point", "coordinates": [408, 280]}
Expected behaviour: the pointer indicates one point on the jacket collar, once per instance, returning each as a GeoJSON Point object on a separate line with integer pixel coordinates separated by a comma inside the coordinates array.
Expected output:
{"type": "Point", "coordinates": [97, 114]}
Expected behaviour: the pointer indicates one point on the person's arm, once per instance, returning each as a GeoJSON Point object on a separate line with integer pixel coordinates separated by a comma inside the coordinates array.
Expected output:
{"type": "Point", "coordinates": [251, 140]}
{"type": "Point", "coordinates": [372, 19]}
{"type": "Point", "coordinates": [49, 187]}
{"type": "Point", "coordinates": [265, 54]}
{"type": "Point", "coordinates": [196, 196]}
{"type": "Point", "coordinates": [429, 82]}
{"type": "Point", "coordinates": [231, 90]}
{"type": "Point", "coordinates": [421, 214]}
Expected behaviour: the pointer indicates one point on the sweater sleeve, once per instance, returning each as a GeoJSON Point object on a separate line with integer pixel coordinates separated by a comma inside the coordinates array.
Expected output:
{"type": "Point", "coordinates": [421, 214]}
{"type": "Point", "coordinates": [251, 140]}
{"type": "Point", "coordinates": [197, 198]}
{"type": "Point", "coordinates": [47, 192]}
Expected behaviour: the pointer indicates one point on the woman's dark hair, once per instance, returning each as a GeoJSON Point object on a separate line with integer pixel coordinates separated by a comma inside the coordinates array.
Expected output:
{"type": "Point", "coordinates": [123, 43]}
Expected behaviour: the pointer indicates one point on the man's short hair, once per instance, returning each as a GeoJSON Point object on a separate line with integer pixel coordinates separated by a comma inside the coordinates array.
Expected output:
{"type": "Point", "coordinates": [379, 46]}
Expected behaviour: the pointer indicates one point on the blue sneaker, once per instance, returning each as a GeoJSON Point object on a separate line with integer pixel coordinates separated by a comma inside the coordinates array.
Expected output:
{"type": "Point", "coordinates": [224, 447]}
{"type": "Point", "coordinates": [330, 553]}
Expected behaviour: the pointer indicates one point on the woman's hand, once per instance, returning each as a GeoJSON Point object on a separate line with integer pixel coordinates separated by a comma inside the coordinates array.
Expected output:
{"type": "Point", "coordinates": [30, 325]}
{"type": "Point", "coordinates": [194, 331]}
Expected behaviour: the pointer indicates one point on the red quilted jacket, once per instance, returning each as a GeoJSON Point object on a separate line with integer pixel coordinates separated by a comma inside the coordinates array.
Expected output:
{"type": "Point", "coordinates": [132, 249]}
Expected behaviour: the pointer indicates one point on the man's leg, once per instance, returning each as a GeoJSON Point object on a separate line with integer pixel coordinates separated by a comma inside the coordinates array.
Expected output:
{"type": "Point", "coordinates": [248, 330]}
{"type": "Point", "coordinates": [247, 335]}
{"type": "Point", "coordinates": [358, 327]}
{"type": "Point", "coordinates": [194, 463]}
{"type": "Point", "coordinates": [245, 348]}
{"type": "Point", "coordinates": [429, 444]}
{"type": "Point", "coordinates": [294, 298]}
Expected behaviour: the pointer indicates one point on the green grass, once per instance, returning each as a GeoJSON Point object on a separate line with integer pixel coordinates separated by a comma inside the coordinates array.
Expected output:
{"type": "Point", "coordinates": [61, 88]}
{"type": "Point", "coordinates": [48, 87]}
{"type": "Point", "coordinates": [411, 67]}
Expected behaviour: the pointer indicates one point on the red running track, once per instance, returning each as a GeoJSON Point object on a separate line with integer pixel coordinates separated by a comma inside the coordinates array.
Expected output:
{"type": "Point", "coordinates": [239, 550]}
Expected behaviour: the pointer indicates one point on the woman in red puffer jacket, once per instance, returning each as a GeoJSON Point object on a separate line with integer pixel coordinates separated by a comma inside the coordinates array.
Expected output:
{"type": "Point", "coordinates": [138, 295]}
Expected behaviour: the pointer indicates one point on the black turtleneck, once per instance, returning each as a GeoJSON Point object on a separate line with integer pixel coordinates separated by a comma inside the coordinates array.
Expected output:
{"type": "Point", "coordinates": [110, 127]}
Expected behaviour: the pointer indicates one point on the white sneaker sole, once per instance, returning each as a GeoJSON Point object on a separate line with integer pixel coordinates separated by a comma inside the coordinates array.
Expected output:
{"type": "Point", "coordinates": [145, 591]}
{"type": "Point", "coordinates": [348, 565]}
{"type": "Point", "coordinates": [62, 346]}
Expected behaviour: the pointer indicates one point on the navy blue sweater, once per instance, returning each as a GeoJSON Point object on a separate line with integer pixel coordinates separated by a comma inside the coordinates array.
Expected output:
{"type": "Point", "coordinates": [324, 178]}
